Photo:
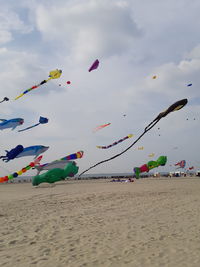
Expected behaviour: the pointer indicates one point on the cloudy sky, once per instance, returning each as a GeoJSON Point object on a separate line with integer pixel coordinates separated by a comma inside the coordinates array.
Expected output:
{"type": "Point", "coordinates": [133, 40]}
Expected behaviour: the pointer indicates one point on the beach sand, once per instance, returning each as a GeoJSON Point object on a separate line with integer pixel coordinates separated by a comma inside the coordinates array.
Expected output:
{"type": "Point", "coordinates": [149, 223]}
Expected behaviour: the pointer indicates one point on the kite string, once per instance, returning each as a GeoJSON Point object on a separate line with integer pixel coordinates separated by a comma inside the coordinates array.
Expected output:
{"type": "Point", "coordinates": [151, 125]}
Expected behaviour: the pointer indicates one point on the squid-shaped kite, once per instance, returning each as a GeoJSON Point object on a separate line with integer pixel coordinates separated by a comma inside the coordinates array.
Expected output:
{"type": "Point", "coordinates": [42, 120]}
{"type": "Point", "coordinates": [175, 106]}
{"type": "Point", "coordinates": [54, 74]}
{"type": "Point", "coordinates": [117, 142]}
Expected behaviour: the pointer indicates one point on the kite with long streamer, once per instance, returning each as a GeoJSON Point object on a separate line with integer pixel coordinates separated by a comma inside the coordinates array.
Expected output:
{"type": "Point", "coordinates": [117, 142]}
{"type": "Point", "coordinates": [101, 127]}
{"type": "Point", "coordinates": [22, 171]}
{"type": "Point", "coordinates": [42, 120]}
{"type": "Point", "coordinates": [176, 106]}
{"type": "Point", "coordinates": [54, 74]}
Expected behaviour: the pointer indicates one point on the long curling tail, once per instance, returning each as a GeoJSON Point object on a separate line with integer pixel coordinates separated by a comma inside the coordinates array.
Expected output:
{"type": "Point", "coordinates": [18, 96]}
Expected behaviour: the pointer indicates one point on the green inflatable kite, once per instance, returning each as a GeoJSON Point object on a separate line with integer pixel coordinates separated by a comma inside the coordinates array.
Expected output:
{"type": "Point", "coordinates": [56, 174]}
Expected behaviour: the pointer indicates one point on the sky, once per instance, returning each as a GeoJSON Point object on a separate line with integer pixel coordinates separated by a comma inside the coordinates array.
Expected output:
{"type": "Point", "coordinates": [133, 41]}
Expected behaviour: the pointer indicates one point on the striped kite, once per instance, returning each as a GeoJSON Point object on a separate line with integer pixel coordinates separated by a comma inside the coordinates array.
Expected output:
{"type": "Point", "coordinates": [117, 142]}
{"type": "Point", "coordinates": [54, 74]}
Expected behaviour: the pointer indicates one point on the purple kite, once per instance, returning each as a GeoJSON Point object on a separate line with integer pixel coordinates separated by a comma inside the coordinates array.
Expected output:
{"type": "Point", "coordinates": [94, 65]}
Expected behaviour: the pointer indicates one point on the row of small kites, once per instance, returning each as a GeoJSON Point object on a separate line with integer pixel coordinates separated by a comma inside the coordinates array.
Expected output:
{"type": "Point", "coordinates": [54, 74]}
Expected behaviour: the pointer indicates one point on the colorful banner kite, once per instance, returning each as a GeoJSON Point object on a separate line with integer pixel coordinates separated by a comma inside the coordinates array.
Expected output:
{"type": "Point", "coordinates": [117, 142]}
{"type": "Point", "coordinates": [54, 74]}
{"type": "Point", "coordinates": [23, 170]}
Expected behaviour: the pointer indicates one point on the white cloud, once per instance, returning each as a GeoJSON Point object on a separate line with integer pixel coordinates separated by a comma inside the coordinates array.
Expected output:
{"type": "Point", "coordinates": [89, 29]}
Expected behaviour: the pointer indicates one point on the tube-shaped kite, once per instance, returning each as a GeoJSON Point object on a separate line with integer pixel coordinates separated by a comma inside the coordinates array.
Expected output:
{"type": "Point", "coordinates": [23, 170]}
{"type": "Point", "coordinates": [117, 142]}
{"type": "Point", "coordinates": [54, 74]}
{"type": "Point", "coordinates": [101, 127]}
{"type": "Point", "coordinates": [161, 161]}
{"type": "Point", "coordinates": [42, 120]}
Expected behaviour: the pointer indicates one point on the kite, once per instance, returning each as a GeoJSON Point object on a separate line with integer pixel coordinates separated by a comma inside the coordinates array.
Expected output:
{"type": "Point", "coordinates": [174, 107]}
{"type": "Point", "coordinates": [13, 123]}
{"type": "Point", "coordinates": [181, 163]}
{"type": "Point", "coordinates": [61, 163]}
{"type": "Point", "coordinates": [191, 168]}
{"type": "Point", "coordinates": [12, 154]}
{"type": "Point", "coordinates": [117, 142]}
{"type": "Point", "coordinates": [42, 120]}
{"type": "Point", "coordinates": [151, 155]}
{"type": "Point", "coordinates": [76, 155]}
{"type": "Point", "coordinates": [140, 148]}
{"type": "Point", "coordinates": [56, 174]}
{"type": "Point", "coordinates": [54, 74]}
{"type": "Point", "coordinates": [5, 99]}
{"type": "Point", "coordinates": [68, 82]}
{"type": "Point", "coordinates": [190, 84]}
{"type": "Point", "coordinates": [94, 65]}
{"type": "Point", "coordinates": [161, 161]}
{"type": "Point", "coordinates": [154, 77]}
{"type": "Point", "coordinates": [23, 170]}
{"type": "Point", "coordinates": [101, 126]}
{"type": "Point", "coordinates": [19, 151]}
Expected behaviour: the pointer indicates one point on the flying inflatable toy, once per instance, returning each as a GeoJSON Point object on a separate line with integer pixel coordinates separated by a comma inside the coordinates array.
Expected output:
{"type": "Point", "coordinates": [161, 161]}
{"type": "Point", "coordinates": [12, 123]}
{"type": "Point", "coordinates": [56, 174]}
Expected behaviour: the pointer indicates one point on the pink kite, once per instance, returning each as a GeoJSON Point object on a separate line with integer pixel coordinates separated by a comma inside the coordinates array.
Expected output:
{"type": "Point", "coordinates": [101, 126]}
{"type": "Point", "coordinates": [94, 65]}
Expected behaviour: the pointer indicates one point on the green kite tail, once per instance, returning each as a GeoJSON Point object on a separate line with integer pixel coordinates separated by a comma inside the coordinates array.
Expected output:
{"type": "Point", "coordinates": [56, 174]}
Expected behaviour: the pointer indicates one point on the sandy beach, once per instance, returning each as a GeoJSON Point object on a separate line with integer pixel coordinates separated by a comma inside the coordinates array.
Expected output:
{"type": "Point", "coordinates": [151, 222]}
